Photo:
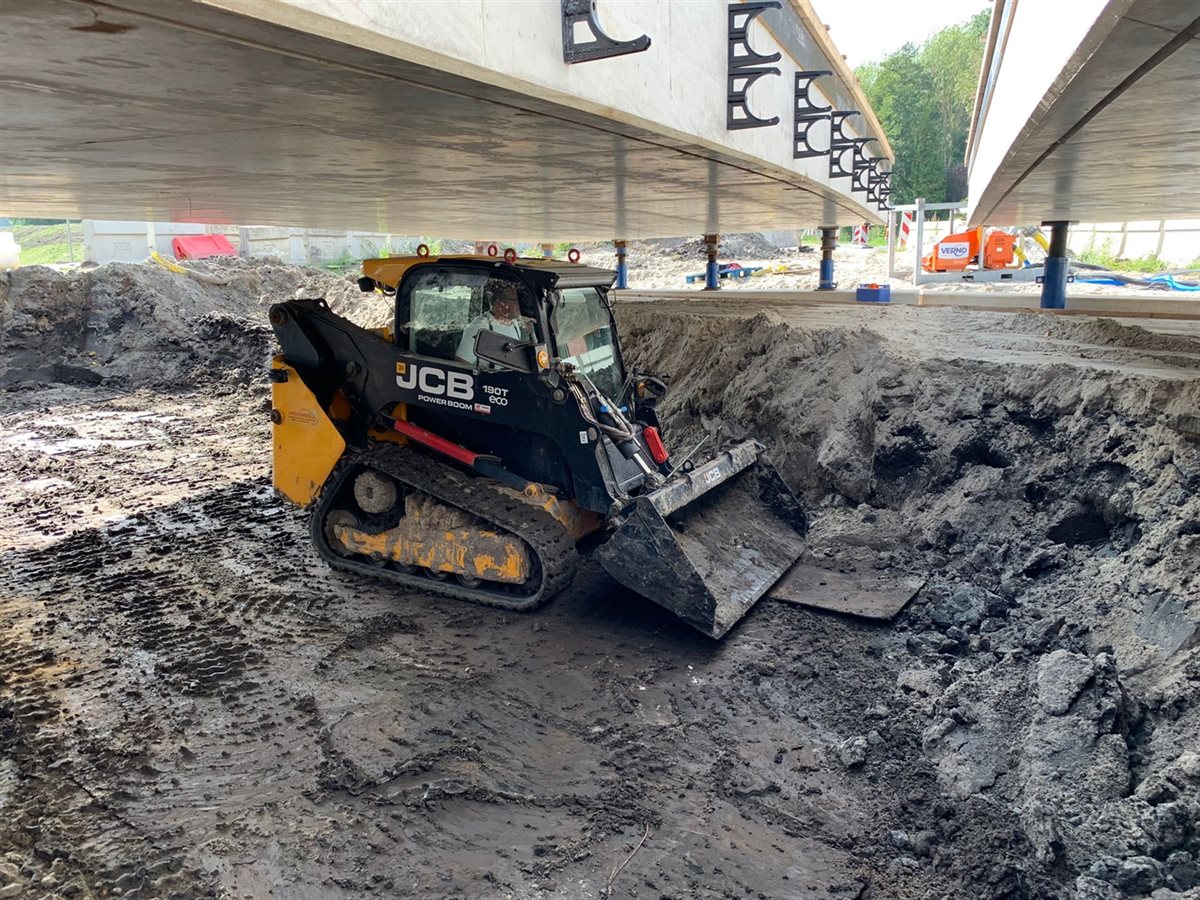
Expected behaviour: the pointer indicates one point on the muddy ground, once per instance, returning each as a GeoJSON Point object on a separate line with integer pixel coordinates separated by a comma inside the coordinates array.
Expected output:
{"type": "Point", "coordinates": [192, 705]}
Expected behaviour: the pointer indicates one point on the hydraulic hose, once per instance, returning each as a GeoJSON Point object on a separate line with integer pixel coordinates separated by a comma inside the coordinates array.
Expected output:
{"type": "Point", "coordinates": [1164, 281]}
{"type": "Point", "coordinates": [619, 432]}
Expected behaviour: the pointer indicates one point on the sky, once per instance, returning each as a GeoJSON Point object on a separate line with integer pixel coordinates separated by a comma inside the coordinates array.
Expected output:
{"type": "Point", "coordinates": [868, 30]}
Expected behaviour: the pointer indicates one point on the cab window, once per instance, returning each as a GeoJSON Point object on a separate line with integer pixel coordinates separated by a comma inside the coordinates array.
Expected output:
{"type": "Point", "coordinates": [583, 333]}
{"type": "Point", "coordinates": [437, 305]}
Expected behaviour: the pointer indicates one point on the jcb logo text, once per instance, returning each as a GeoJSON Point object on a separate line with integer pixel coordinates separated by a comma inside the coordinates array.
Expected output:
{"type": "Point", "coordinates": [434, 381]}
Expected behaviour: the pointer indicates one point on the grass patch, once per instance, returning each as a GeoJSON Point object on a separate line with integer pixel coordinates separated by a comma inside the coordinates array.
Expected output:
{"type": "Point", "coordinates": [43, 244]}
{"type": "Point", "coordinates": [56, 233]}
{"type": "Point", "coordinates": [1103, 256]}
{"type": "Point", "coordinates": [876, 237]}
{"type": "Point", "coordinates": [47, 254]}
{"type": "Point", "coordinates": [346, 261]}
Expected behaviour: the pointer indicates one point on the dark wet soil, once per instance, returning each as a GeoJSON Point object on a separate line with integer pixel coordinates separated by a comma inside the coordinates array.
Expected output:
{"type": "Point", "coordinates": [192, 705]}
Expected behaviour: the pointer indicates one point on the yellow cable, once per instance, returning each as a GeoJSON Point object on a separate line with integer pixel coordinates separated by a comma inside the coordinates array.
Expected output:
{"type": "Point", "coordinates": [180, 270]}
{"type": "Point", "coordinates": [167, 264]}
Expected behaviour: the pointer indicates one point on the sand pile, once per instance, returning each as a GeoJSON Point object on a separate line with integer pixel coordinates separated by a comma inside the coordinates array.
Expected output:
{"type": "Point", "coordinates": [141, 324]}
{"type": "Point", "coordinates": [1047, 696]}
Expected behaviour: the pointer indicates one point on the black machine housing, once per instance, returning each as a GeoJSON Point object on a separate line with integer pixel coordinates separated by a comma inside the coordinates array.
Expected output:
{"type": "Point", "coordinates": [548, 424]}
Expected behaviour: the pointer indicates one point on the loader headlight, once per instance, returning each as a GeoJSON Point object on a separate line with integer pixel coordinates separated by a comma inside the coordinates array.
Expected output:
{"type": "Point", "coordinates": [543, 358]}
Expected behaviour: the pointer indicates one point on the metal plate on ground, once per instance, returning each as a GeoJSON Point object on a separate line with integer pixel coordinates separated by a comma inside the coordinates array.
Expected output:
{"type": "Point", "coordinates": [865, 593]}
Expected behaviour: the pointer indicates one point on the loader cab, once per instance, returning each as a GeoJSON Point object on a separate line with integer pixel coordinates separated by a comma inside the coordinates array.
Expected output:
{"type": "Point", "coordinates": [438, 298]}
{"type": "Point", "coordinates": [435, 304]}
{"type": "Point", "coordinates": [584, 336]}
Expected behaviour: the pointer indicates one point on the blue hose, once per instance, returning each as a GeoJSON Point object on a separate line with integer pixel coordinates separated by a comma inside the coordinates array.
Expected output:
{"type": "Point", "coordinates": [1166, 280]}
{"type": "Point", "coordinates": [1169, 281]}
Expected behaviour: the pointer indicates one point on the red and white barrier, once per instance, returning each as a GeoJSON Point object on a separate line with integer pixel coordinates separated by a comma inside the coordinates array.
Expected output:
{"type": "Point", "coordinates": [905, 225]}
{"type": "Point", "coordinates": [860, 235]}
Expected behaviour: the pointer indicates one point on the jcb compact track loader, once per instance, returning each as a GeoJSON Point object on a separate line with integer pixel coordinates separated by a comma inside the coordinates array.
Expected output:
{"type": "Point", "coordinates": [465, 450]}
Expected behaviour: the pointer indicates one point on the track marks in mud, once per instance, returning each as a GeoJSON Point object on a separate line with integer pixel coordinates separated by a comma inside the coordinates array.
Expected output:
{"type": "Point", "coordinates": [586, 739]}
{"type": "Point", "coordinates": [78, 460]}
{"type": "Point", "coordinates": [173, 611]}
{"type": "Point", "coordinates": [65, 802]}
{"type": "Point", "coordinates": [259, 719]}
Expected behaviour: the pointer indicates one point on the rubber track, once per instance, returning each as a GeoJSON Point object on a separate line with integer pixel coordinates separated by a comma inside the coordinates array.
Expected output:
{"type": "Point", "coordinates": [553, 547]}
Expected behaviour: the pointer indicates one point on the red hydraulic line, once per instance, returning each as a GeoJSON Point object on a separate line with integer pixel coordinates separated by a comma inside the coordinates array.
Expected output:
{"type": "Point", "coordinates": [440, 444]}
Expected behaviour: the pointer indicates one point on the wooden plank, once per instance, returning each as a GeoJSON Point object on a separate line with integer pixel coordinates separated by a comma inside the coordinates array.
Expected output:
{"type": "Point", "coordinates": [848, 589]}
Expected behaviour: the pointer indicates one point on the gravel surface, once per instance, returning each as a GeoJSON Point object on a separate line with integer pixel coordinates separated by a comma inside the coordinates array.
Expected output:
{"type": "Point", "coordinates": [191, 704]}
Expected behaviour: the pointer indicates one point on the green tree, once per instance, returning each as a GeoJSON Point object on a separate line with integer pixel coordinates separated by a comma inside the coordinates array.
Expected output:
{"type": "Point", "coordinates": [901, 93]}
{"type": "Point", "coordinates": [923, 97]}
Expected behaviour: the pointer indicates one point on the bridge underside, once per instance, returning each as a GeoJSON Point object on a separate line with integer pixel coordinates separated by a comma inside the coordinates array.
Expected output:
{"type": "Point", "coordinates": [1116, 137]}
{"type": "Point", "coordinates": [165, 110]}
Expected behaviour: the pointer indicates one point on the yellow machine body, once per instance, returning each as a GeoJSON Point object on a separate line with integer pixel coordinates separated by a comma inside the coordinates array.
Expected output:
{"type": "Point", "coordinates": [475, 552]}
{"type": "Point", "coordinates": [388, 270]}
{"type": "Point", "coordinates": [306, 443]}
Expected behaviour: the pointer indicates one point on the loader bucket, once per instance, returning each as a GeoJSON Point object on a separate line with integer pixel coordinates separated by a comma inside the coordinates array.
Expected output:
{"type": "Point", "coordinates": [709, 543]}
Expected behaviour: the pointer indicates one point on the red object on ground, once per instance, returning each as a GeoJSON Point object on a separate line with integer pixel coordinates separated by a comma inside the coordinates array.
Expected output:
{"type": "Point", "coordinates": [202, 246]}
{"type": "Point", "coordinates": [654, 441]}
{"type": "Point", "coordinates": [429, 439]}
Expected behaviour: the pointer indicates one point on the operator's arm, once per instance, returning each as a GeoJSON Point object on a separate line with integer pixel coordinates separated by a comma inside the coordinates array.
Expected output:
{"type": "Point", "coordinates": [466, 345]}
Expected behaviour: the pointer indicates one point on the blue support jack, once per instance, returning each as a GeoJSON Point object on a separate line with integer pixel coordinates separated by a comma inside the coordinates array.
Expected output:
{"type": "Point", "coordinates": [622, 282]}
{"type": "Point", "coordinates": [828, 243]}
{"type": "Point", "coordinates": [712, 271]}
{"type": "Point", "coordinates": [1056, 269]}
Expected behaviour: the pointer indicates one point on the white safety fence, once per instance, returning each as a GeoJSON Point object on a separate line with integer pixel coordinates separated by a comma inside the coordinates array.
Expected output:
{"type": "Point", "coordinates": [1176, 241]}
{"type": "Point", "coordinates": [112, 241]}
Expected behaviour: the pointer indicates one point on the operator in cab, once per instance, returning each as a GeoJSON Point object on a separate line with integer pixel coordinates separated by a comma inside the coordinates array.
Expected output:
{"type": "Point", "coordinates": [503, 317]}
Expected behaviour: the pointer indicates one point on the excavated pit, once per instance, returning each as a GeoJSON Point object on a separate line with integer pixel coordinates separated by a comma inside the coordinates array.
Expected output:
{"type": "Point", "coordinates": [191, 704]}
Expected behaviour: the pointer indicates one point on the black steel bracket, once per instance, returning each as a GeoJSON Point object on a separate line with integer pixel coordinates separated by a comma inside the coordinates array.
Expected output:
{"type": "Point", "coordinates": [837, 155]}
{"type": "Point", "coordinates": [839, 143]}
{"type": "Point", "coordinates": [746, 65]}
{"type": "Point", "coordinates": [885, 191]}
{"type": "Point", "coordinates": [860, 171]}
{"type": "Point", "coordinates": [873, 178]}
{"type": "Point", "coordinates": [838, 119]}
{"type": "Point", "coordinates": [878, 181]}
{"type": "Point", "coordinates": [741, 15]}
{"type": "Point", "coordinates": [601, 46]}
{"type": "Point", "coordinates": [807, 114]}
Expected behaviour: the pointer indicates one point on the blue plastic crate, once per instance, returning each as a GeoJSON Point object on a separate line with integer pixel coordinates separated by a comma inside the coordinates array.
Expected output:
{"type": "Point", "coordinates": [873, 293]}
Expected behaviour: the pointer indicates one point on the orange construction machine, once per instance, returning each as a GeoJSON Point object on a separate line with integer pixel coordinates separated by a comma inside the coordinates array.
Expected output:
{"type": "Point", "coordinates": [955, 252]}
